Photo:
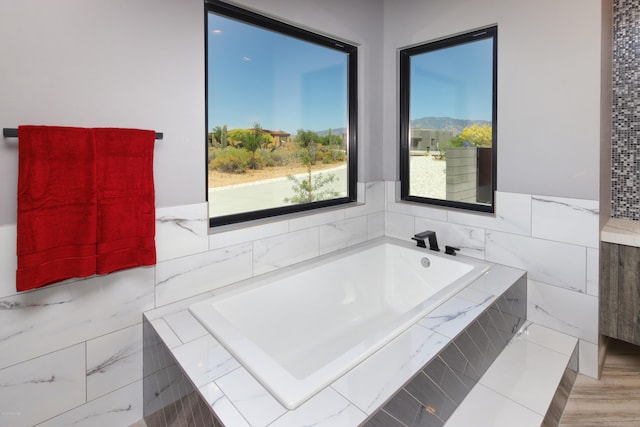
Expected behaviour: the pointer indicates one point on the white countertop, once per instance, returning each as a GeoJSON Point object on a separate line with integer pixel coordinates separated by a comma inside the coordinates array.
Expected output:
{"type": "Point", "coordinates": [621, 231]}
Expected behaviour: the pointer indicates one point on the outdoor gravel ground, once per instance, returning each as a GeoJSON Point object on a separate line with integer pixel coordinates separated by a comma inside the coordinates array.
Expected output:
{"type": "Point", "coordinates": [427, 177]}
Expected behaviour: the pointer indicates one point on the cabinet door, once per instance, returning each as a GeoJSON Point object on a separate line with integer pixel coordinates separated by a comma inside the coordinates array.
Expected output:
{"type": "Point", "coordinates": [608, 289]}
{"type": "Point", "coordinates": [629, 294]}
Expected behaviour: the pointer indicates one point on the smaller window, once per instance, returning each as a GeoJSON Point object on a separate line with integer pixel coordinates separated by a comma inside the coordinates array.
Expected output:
{"type": "Point", "coordinates": [448, 121]}
{"type": "Point", "coordinates": [281, 117]}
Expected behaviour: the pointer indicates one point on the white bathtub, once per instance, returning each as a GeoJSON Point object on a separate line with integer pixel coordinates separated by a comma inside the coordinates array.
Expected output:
{"type": "Point", "coordinates": [298, 332]}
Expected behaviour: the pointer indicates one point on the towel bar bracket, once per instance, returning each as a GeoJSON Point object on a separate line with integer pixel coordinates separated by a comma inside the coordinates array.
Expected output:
{"type": "Point", "coordinates": [10, 133]}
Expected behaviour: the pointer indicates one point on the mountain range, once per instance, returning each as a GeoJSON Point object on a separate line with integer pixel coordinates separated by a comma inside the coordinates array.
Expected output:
{"type": "Point", "coordinates": [336, 131]}
{"type": "Point", "coordinates": [445, 123]}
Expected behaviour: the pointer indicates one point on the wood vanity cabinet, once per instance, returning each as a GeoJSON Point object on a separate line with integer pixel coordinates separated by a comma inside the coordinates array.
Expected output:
{"type": "Point", "coordinates": [620, 292]}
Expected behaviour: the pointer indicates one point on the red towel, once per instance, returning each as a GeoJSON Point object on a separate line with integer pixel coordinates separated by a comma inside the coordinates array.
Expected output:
{"type": "Point", "coordinates": [126, 206]}
{"type": "Point", "coordinates": [57, 210]}
{"type": "Point", "coordinates": [85, 203]}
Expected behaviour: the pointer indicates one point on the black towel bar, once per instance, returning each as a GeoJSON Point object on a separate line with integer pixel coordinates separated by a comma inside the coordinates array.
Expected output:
{"type": "Point", "coordinates": [13, 133]}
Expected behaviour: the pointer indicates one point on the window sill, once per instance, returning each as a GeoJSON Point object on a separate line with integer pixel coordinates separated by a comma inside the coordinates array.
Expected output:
{"type": "Point", "coordinates": [282, 218]}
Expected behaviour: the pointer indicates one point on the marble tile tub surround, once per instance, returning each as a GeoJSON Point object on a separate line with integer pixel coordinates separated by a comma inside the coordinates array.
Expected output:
{"type": "Point", "coordinates": [169, 397]}
{"type": "Point", "coordinates": [435, 392]}
{"type": "Point", "coordinates": [100, 317]}
{"type": "Point", "coordinates": [238, 399]}
{"type": "Point", "coordinates": [554, 239]}
{"type": "Point", "coordinates": [535, 395]}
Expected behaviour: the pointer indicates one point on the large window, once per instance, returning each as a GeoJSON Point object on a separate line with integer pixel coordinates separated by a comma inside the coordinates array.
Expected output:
{"type": "Point", "coordinates": [448, 121]}
{"type": "Point", "coordinates": [281, 117]}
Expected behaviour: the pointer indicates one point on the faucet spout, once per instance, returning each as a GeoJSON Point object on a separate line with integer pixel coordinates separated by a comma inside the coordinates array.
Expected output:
{"type": "Point", "coordinates": [429, 235]}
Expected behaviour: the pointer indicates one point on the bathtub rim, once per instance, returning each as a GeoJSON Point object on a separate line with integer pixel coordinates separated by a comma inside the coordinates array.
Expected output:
{"type": "Point", "coordinates": [271, 372]}
{"type": "Point", "coordinates": [262, 279]}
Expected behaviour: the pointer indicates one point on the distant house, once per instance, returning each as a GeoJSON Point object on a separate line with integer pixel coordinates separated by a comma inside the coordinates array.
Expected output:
{"type": "Point", "coordinates": [280, 138]}
{"type": "Point", "coordinates": [429, 139]}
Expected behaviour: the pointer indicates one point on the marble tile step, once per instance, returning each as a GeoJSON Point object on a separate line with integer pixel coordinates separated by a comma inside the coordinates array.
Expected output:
{"type": "Point", "coordinates": [527, 385]}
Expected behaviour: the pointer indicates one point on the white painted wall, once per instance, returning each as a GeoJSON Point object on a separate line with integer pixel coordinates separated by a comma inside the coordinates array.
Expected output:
{"type": "Point", "coordinates": [115, 63]}
{"type": "Point", "coordinates": [548, 85]}
{"type": "Point", "coordinates": [75, 348]}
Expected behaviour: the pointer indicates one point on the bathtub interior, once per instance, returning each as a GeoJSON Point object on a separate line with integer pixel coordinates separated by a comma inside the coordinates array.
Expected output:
{"type": "Point", "coordinates": [298, 334]}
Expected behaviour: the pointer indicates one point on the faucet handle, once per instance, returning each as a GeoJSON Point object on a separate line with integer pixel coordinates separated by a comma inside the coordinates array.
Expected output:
{"type": "Point", "coordinates": [450, 250]}
{"type": "Point", "coordinates": [420, 241]}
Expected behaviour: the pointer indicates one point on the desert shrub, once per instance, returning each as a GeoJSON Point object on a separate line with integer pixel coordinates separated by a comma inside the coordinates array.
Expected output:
{"type": "Point", "coordinates": [338, 156]}
{"type": "Point", "coordinates": [280, 157]}
{"type": "Point", "coordinates": [255, 161]}
{"type": "Point", "coordinates": [326, 157]}
{"type": "Point", "coordinates": [265, 157]}
{"type": "Point", "coordinates": [211, 154]}
{"type": "Point", "coordinates": [231, 160]}
{"type": "Point", "coordinates": [308, 155]}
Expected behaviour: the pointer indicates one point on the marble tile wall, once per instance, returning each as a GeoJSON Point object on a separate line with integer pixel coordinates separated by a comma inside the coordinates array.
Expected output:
{"type": "Point", "coordinates": [555, 239]}
{"type": "Point", "coordinates": [76, 347]}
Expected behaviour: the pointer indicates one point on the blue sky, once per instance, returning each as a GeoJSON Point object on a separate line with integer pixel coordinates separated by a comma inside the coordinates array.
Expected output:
{"type": "Point", "coordinates": [453, 82]}
{"type": "Point", "coordinates": [283, 83]}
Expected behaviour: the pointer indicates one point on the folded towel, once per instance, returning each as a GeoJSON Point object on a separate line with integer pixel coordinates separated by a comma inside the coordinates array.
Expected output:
{"type": "Point", "coordinates": [57, 210]}
{"type": "Point", "coordinates": [85, 203]}
{"type": "Point", "coordinates": [125, 193]}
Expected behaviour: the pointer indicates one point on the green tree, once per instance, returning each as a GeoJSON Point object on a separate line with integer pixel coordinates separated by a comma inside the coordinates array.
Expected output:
{"type": "Point", "coordinates": [218, 138]}
{"type": "Point", "coordinates": [306, 137]}
{"type": "Point", "coordinates": [250, 140]}
{"type": "Point", "coordinates": [214, 136]}
{"type": "Point", "coordinates": [235, 137]}
{"type": "Point", "coordinates": [307, 142]}
{"type": "Point", "coordinates": [223, 136]}
{"type": "Point", "coordinates": [471, 136]}
{"type": "Point", "coordinates": [474, 136]}
{"type": "Point", "coordinates": [332, 140]}
{"type": "Point", "coordinates": [310, 189]}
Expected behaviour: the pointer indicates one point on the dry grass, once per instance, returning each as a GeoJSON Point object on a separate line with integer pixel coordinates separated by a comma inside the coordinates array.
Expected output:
{"type": "Point", "coordinates": [222, 179]}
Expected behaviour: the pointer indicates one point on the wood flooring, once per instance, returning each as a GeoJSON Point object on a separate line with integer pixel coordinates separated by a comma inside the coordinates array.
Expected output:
{"type": "Point", "coordinates": [614, 400]}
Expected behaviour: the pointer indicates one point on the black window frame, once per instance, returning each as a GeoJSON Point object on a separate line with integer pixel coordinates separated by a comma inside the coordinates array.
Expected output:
{"type": "Point", "coordinates": [490, 32]}
{"type": "Point", "coordinates": [267, 23]}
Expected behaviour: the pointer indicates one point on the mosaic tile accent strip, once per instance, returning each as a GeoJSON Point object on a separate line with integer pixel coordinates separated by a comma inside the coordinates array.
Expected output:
{"type": "Point", "coordinates": [169, 397]}
{"type": "Point", "coordinates": [432, 395]}
{"type": "Point", "coordinates": [625, 138]}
